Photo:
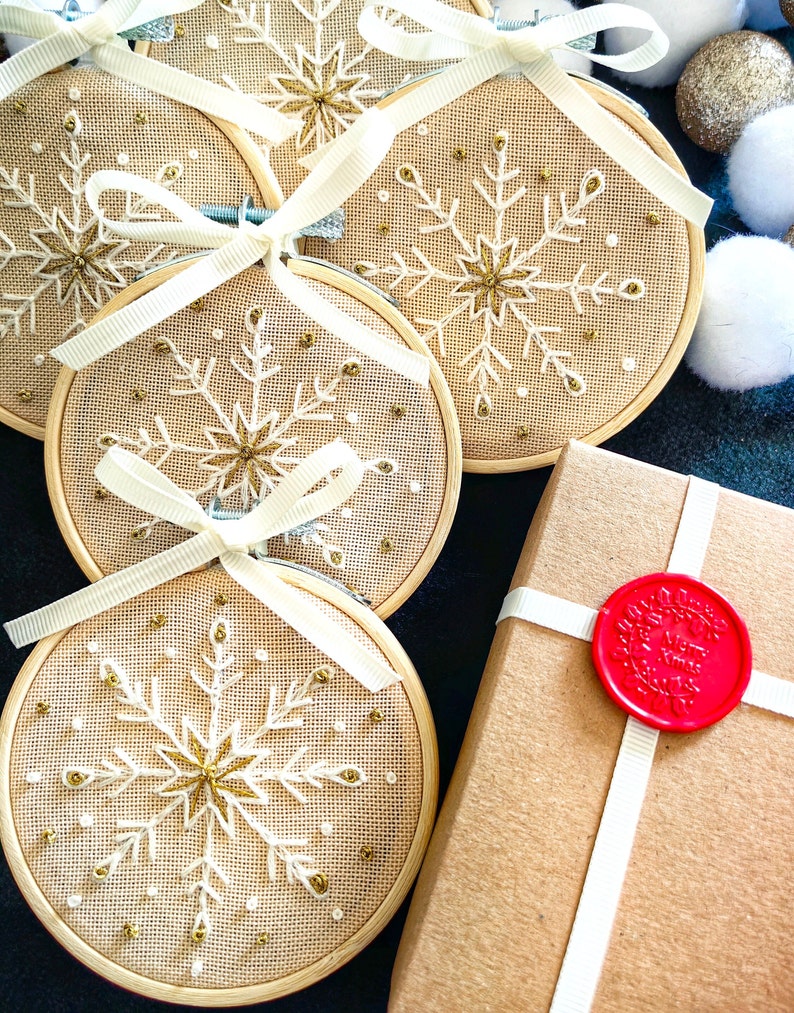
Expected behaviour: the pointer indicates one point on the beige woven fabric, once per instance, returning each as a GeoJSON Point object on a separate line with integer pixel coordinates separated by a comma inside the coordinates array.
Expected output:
{"type": "Point", "coordinates": [202, 875]}
{"type": "Point", "coordinates": [217, 432]}
{"type": "Point", "coordinates": [303, 57]}
{"type": "Point", "coordinates": [458, 206]}
{"type": "Point", "coordinates": [55, 270]}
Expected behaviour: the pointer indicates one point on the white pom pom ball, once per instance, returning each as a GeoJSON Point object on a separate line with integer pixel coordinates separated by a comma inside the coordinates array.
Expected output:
{"type": "Point", "coordinates": [763, 15]}
{"type": "Point", "coordinates": [744, 335]}
{"type": "Point", "coordinates": [523, 10]}
{"type": "Point", "coordinates": [687, 25]}
{"type": "Point", "coordinates": [761, 172]}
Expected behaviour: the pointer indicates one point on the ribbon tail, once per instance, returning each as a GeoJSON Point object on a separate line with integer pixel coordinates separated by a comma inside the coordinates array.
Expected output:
{"type": "Point", "coordinates": [307, 620]}
{"type": "Point", "coordinates": [112, 590]}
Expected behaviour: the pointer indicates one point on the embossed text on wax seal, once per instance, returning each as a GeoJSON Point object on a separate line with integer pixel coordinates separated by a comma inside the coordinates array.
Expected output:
{"type": "Point", "coordinates": [672, 652]}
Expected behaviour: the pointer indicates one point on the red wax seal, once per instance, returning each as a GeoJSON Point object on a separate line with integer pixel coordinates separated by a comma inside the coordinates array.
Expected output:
{"type": "Point", "coordinates": [672, 652]}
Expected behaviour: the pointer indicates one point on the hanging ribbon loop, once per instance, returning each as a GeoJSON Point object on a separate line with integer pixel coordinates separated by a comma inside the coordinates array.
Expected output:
{"type": "Point", "coordinates": [352, 161]}
{"type": "Point", "coordinates": [290, 504]}
{"type": "Point", "coordinates": [60, 41]}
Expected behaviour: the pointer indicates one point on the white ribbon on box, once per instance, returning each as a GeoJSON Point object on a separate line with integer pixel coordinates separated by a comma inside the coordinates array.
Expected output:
{"type": "Point", "coordinates": [61, 40]}
{"type": "Point", "coordinates": [484, 52]}
{"type": "Point", "coordinates": [598, 903]}
{"type": "Point", "coordinates": [286, 507]}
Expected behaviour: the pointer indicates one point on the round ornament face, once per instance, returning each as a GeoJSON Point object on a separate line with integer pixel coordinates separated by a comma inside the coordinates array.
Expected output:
{"type": "Point", "coordinates": [304, 58]}
{"type": "Point", "coordinates": [201, 806]}
{"type": "Point", "coordinates": [557, 293]}
{"type": "Point", "coordinates": [56, 268]}
{"type": "Point", "coordinates": [226, 397]}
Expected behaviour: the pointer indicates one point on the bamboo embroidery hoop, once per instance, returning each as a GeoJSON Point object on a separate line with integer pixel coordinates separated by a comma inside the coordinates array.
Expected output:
{"type": "Point", "coordinates": [231, 165]}
{"type": "Point", "coordinates": [406, 716]}
{"type": "Point", "coordinates": [449, 132]}
{"type": "Point", "coordinates": [423, 538]}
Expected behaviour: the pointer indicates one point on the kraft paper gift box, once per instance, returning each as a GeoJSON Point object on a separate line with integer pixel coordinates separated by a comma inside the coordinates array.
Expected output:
{"type": "Point", "coordinates": [703, 921]}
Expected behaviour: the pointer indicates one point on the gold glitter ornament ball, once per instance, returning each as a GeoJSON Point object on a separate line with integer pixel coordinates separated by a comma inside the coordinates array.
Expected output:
{"type": "Point", "coordinates": [789, 236]}
{"type": "Point", "coordinates": [787, 10]}
{"type": "Point", "coordinates": [730, 81]}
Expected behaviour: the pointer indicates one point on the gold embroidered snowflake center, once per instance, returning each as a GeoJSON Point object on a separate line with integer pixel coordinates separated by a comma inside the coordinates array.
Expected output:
{"type": "Point", "coordinates": [248, 452]}
{"type": "Point", "coordinates": [492, 278]}
{"type": "Point", "coordinates": [211, 777]}
{"type": "Point", "coordinates": [76, 263]}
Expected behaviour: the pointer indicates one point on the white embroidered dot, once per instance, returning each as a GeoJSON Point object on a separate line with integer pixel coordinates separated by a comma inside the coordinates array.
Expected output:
{"type": "Point", "coordinates": [346, 512]}
{"type": "Point", "coordinates": [391, 777]}
{"type": "Point", "coordinates": [415, 487]}
{"type": "Point", "coordinates": [36, 147]}
{"type": "Point", "coordinates": [33, 776]}
{"type": "Point", "coordinates": [170, 653]}
{"type": "Point", "coordinates": [339, 727]}
{"type": "Point", "coordinates": [337, 914]}
{"type": "Point", "coordinates": [422, 129]}
{"type": "Point", "coordinates": [218, 334]}
{"type": "Point", "coordinates": [383, 196]}
{"type": "Point", "coordinates": [123, 158]}
{"type": "Point", "coordinates": [522, 391]}
{"type": "Point", "coordinates": [326, 829]}
{"type": "Point", "coordinates": [74, 900]}
{"type": "Point", "coordinates": [196, 968]}
{"type": "Point", "coordinates": [74, 94]}
{"type": "Point", "coordinates": [211, 41]}
{"type": "Point", "coordinates": [261, 654]}
{"type": "Point", "coordinates": [611, 240]}
{"type": "Point", "coordinates": [77, 724]}
{"type": "Point", "coordinates": [193, 154]}
{"type": "Point", "coordinates": [86, 821]}
{"type": "Point", "coordinates": [252, 904]}
{"type": "Point", "coordinates": [92, 647]}
{"type": "Point", "coordinates": [629, 364]}
{"type": "Point", "coordinates": [352, 418]}
{"type": "Point", "coordinates": [152, 891]}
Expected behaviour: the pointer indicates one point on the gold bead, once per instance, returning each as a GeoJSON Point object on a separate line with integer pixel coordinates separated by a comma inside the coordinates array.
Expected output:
{"type": "Point", "coordinates": [161, 347]}
{"type": "Point", "coordinates": [399, 411]}
{"type": "Point", "coordinates": [42, 707]}
{"type": "Point", "coordinates": [221, 598]}
{"type": "Point", "coordinates": [20, 105]}
{"type": "Point", "coordinates": [590, 335]}
{"type": "Point", "coordinates": [360, 268]}
{"type": "Point", "coordinates": [545, 173]}
{"type": "Point", "coordinates": [139, 534]}
{"type": "Point", "coordinates": [483, 409]}
{"type": "Point", "coordinates": [522, 432]}
{"type": "Point", "coordinates": [574, 384]}
{"type": "Point", "coordinates": [459, 154]}
{"type": "Point", "coordinates": [198, 304]}
{"type": "Point", "coordinates": [407, 174]}
{"type": "Point", "coordinates": [219, 635]}
{"type": "Point", "coordinates": [70, 123]}
{"type": "Point", "coordinates": [352, 369]}
{"type": "Point", "coordinates": [256, 315]}
{"type": "Point", "coordinates": [138, 394]}
{"type": "Point", "coordinates": [634, 288]}
{"type": "Point", "coordinates": [499, 142]}
{"type": "Point", "coordinates": [75, 778]}
{"type": "Point", "coordinates": [130, 930]}
{"type": "Point", "coordinates": [107, 441]}
{"type": "Point", "coordinates": [336, 557]}
{"type": "Point", "coordinates": [171, 172]}
{"type": "Point", "coordinates": [199, 934]}
{"type": "Point", "coordinates": [376, 716]}
{"type": "Point", "coordinates": [386, 545]}
{"type": "Point", "coordinates": [111, 679]}
{"type": "Point", "coordinates": [141, 117]}
{"type": "Point", "coordinates": [101, 872]}
{"type": "Point", "coordinates": [385, 467]}
{"type": "Point", "coordinates": [179, 31]}
{"type": "Point", "coordinates": [322, 676]}
{"type": "Point", "coordinates": [157, 622]}
{"type": "Point", "coordinates": [319, 883]}
{"type": "Point", "coordinates": [101, 492]}
{"type": "Point", "coordinates": [263, 937]}
{"type": "Point", "coordinates": [384, 228]}
{"type": "Point", "coordinates": [25, 394]}
{"type": "Point", "coordinates": [350, 775]}
{"type": "Point", "coordinates": [653, 218]}
{"type": "Point", "coordinates": [367, 852]}
{"type": "Point", "coordinates": [307, 339]}
{"type": "Point", "coordinates": [49, 836]}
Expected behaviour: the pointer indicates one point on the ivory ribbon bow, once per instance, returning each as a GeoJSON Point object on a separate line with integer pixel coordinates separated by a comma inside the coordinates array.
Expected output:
{"type": "Point", "coordinates": [484, 52]}
{"type": "Point", "coordinates": [349, 164]}
{"type": "Point", "coordinates": [60, 41]}
{"type": "Point", "coordinates": [289, 505]}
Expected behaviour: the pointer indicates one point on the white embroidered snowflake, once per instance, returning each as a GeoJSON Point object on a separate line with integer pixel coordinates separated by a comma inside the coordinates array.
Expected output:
{"type": "Point", "coordinates": [215, 778]}
{"type": "Point", "coordinates": [67, 252]}
{"type": "Point", "coordinates": [493, 280]}
{"type": "Point", "coordinates": [247, 450]}
{"type": "Point", "coordinates": [326, 86]}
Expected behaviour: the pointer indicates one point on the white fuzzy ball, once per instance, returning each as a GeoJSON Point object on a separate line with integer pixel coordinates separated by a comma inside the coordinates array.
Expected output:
{"type": "Point", "coordinates": [744, 335]}
{"type": "Point", "coordinates": [524, 10]}
{"type": "Point", "coordinates": [764, 14]}
{"type": "Point", "coordinates": [688, 25]}
{"type": "Point", "coordinates": [761, 172]}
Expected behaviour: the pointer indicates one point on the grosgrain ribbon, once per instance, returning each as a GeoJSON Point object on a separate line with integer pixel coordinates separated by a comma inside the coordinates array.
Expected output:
{"type": "Point", "coordinates": [60, 41]}
{"type": "Point", "coordinates": [352, 161]}
{"type": "Point", "coordinates": [484, 52]}
{"type": "Point", "coordinates": [288, 505]}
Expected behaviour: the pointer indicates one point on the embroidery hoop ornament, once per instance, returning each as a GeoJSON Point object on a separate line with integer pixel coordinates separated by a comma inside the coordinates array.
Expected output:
{"type": "Point", "coordinates": [539, 398]}
{"type": "Point", "coordinates": [69, 97]}
{"type": "Point", "coordinates": [405, 717]}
